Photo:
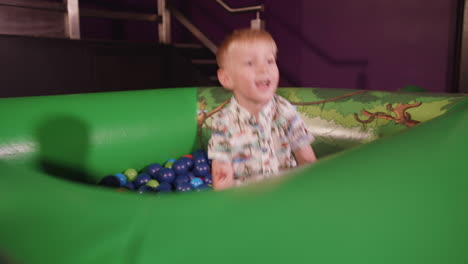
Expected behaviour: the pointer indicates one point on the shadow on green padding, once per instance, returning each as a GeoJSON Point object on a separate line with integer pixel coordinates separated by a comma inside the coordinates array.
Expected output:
{"type": "Point", "coordinates": [63, 148]}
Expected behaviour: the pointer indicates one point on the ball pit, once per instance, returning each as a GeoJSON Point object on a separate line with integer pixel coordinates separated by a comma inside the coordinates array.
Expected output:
{"type": "Point", "coordinates": [178, 177]}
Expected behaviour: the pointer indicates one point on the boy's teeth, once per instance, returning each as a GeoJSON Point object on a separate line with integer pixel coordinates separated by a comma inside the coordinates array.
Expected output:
{"type": "Point", "coordinates": [263, 84]}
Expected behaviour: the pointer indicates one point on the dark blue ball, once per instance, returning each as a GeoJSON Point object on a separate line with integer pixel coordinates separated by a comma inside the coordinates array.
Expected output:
{"type": "Point", "coordinates": [199, 152]}
{"type": "Point", "coordinates": [199, 159]}
{"type": "Point", "coordinates": [184, 187]}
{"type": "Point", "coordinates": [208, 179]}
{"type": "Point", "coordinates": [165, 175]}
{"type": "Point", "coordinates": [184, 178]}
{"type": "Point", "coordinates": [188, 161]}
{"type": "Point", "coordinates": [201, 169]}
{"type": "Point", "coordinates": [180, 167]}
{"type": "Point", "coordinates": [144, 189]}
{"type": "Point", "coordinates": [129, 185]}
{"type": "Point", "coordinates": [164, 187]}
{"type": "Point", "coordinates": [110, 181]}
{"type": "Point", "coordinates": [200, 156]}
{"type": "Point", "coordinates": [141, 179]}
{"type": "Point", "coordinates": [190, 175]}
{"type": "Point", "coordinates": [203, 187]}
{"type": "Point", "coordinates": [152, 169]}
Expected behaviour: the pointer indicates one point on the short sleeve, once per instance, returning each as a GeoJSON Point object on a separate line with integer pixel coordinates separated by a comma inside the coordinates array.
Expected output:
{"type": "Point", "coordinates": [219, 147]}
{"type": "Point", "coordinates": [298, 134]}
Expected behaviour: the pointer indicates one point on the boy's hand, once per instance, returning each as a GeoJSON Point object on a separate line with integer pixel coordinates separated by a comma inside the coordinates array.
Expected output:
{"type": "Point", "coordinates": [223, 175]}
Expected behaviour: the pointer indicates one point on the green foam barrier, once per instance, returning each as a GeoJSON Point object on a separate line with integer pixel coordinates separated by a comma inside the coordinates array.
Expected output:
{"type": "Point", "coordinates": [398, 199]}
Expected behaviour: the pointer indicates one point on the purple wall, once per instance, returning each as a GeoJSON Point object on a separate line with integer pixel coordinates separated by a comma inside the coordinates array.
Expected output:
{"type": "Point", "coordinates": [367, 44]}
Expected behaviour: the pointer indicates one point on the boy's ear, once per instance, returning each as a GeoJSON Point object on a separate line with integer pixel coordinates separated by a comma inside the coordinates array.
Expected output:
{"type": "Point", "coordinates": [224, 79]}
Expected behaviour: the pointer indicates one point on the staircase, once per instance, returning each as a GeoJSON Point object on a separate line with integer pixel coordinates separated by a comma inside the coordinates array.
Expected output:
{"type": "Point", "coordinates": [202, 59]}
{"type": "Point", "coordinates": [200, 55]}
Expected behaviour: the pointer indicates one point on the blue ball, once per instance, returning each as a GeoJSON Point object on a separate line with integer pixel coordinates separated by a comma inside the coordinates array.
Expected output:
{"type": "Point", "coordinates": [144, 189]}
{"type": "Point", "coordinates": [141, 179]}
{"type": "Point", "coordinates": [184, 187]}
{"type": "Point", "coordinates": [201, 169]}
{"type": "Point", "coordinates": [164, 187]}
{"type": "Point", "coordinates": [122, 178]}
{"type": "Point", "coordinates": [152, 169]}
{"type": "Point", "coordinates": [188, 161]}
{"type": "Point", "coordinates": [180, 167]}
{"type": "Point", "coordinates": [110, 181]}
{"type": "Point", "coordinates": [184, 178]}
{"type": "Point", "coordinates": [195, 182]}
{"type": "Point", "coordinates": [165, 175]}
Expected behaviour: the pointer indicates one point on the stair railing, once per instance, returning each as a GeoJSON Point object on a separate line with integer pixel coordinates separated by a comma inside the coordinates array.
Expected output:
{"type": "Point", "coordinates": [72, 13]}
{"type": "Point", "coordinates": [256, 23]}
{"type": "Point", "coordinates": [188, 25]}
{"type": "Point", "coordinates": [45, 13]}
{"type": "Point", "coordinates": [165, 10]}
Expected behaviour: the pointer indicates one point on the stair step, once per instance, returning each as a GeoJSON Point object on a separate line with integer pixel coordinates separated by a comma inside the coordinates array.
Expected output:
{"type": "Point", "coordinates": [201, 57]}
{"type": "Point", "coordinates": [194, 51]}
{"type": "Point", "coordinates": [204, 62]}
{"type": "Point", "coordinates": [207, 67]}
{"type": "Point", "coordinates": [189, 45]}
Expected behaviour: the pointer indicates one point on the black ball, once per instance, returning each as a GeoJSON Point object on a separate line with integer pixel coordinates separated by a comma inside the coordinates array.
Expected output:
{"type": "Point", "coordinates": [110, 181]}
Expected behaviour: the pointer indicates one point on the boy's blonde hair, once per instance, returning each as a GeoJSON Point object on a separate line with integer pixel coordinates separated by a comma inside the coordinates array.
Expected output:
{"type": "Point", "coordinates": [242, 36]}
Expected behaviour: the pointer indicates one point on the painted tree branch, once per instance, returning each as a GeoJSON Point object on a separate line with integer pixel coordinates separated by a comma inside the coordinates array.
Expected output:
{"type": "Point", "coordinates": [401, 116]}
{"type": "Point", "coordinates": [202, 116]}
{"type": "Point", "coordinates": [329, 100]}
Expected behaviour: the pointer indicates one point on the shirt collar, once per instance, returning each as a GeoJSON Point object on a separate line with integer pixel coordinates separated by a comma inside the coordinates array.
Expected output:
{"type": "Point", "coordinates": [266, 113]}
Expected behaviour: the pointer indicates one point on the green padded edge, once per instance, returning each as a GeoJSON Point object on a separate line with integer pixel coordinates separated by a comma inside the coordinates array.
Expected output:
{"type": "Point", "coordinates": [100, 133]}
{"type": "Point", "coordinates": [400, 199]}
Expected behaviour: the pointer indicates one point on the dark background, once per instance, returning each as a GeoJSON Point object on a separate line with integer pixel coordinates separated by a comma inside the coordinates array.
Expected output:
{"type": "Point", "coordinates": [366, 44]}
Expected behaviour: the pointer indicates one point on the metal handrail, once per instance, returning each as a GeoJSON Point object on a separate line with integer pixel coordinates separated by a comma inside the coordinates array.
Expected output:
{"type": "Point", "coordinates": [100, 13]}
{"type": "Point", "coordinates": [256, 8]}
{"type": "Point", "coordinates": [193, 29]}
{"type": "Point", "coordinates": [72, 19]}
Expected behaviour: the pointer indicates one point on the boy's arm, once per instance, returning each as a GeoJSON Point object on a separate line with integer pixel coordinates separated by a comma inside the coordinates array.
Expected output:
{"type": "Point", "coordinates": [223, 175]}
{"type": "Point", "coordinates": [305, 155]}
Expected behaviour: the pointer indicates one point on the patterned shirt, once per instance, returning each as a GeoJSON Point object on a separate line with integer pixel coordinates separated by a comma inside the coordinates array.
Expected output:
{"type": "Point", "coordinates": [260, 146]}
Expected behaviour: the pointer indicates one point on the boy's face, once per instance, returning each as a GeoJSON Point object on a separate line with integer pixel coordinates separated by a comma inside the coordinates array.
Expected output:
{"type": "Point", "coordinates": [250, 71]}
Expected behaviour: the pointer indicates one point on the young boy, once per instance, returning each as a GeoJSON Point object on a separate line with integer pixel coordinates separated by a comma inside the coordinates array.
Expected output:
{"type": "Point", "coordinates": [258, 132]}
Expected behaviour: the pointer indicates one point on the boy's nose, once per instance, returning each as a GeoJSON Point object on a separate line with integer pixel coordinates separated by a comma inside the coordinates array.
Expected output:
{"type": "Point", "coordinates": [261, 68]}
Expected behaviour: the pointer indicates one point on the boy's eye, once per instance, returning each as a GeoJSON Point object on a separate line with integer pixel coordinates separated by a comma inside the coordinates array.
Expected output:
{"type": "Point", "coordinates": [271, 61]}
{"type": "Point", "coordinates": [249, 63]}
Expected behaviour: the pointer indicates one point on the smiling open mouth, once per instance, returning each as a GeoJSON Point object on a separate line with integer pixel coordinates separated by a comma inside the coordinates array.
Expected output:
{"type": "Point", "coordinates": [263, 84]}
